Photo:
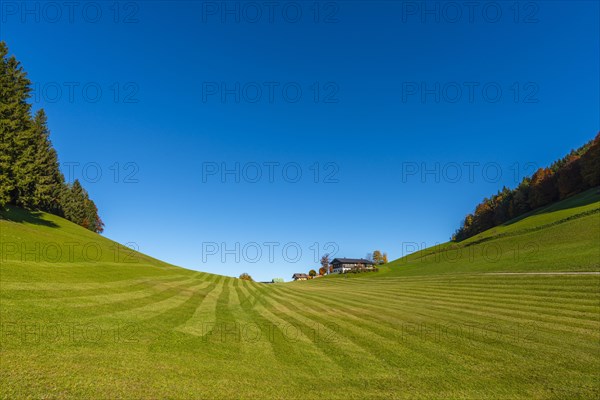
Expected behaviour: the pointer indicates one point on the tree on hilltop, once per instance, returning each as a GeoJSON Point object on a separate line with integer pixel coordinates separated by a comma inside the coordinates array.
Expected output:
{"type": "Point", "coordinates": [246, 277]}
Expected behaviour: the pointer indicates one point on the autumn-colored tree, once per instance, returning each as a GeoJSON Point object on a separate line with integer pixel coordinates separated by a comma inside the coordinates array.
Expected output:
{"type": "Point", "coordinates": [466, 230]}
{"type": "Point", "coordinates": [377, 257]}
{"type": "Point", "coordinates": [502, 210]}
{"type": "Point", "coordinates": [92, 220]}
{"type": "Point", "coordinates": [484, 215]}
{"type": "Point", "coordinates": [543, 188]}
{"type": "Point", "coordinates": [569, 178]}
{"type": "Point", "coordinates": [312, 273]}
{"type": "Point", "coordinates": [246, 277]}
{"type": "Point", "coordinates": [322, 271]}
{"type": "Point", "coordinates": [385, 258]}
{"type": "Point", "coordinates": [590, 164]}
{"type": "Point", "coordinates": [579, 170]}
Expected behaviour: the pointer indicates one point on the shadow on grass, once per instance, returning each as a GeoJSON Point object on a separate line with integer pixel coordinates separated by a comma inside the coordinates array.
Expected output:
{"type": "Point", "coordinates": [582, 199]}
{"type": "Point", "coordinates": [19, 215]}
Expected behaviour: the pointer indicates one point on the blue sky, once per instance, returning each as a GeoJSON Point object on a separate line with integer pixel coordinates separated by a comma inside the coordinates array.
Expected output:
{"type": "Point", "coordinates": [341, 126]}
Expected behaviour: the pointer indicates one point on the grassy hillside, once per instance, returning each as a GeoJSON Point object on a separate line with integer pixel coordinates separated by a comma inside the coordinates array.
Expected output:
{"type": "Point", "coordinates": [111, 323]}
{"type": "Point", "coordinates": [564, 236]}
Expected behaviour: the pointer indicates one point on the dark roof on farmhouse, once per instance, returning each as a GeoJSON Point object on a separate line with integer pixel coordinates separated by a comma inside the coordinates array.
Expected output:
{"type": "Point", "coordinates": [351, 261]}
{"type": "Point", "coordinates": [299, 276]}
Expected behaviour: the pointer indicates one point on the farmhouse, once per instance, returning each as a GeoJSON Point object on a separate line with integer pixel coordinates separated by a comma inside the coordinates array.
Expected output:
{"type": "Point", "coordinates": [341, 265]}
{"type": "Point", "coordinates": [300, 277]}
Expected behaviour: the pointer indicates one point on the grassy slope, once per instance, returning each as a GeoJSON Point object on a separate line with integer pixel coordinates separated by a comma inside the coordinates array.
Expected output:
{"type": "Point", "coordinates": [561, 237]}
{"type": "Point", "coordinates": [427, 326]}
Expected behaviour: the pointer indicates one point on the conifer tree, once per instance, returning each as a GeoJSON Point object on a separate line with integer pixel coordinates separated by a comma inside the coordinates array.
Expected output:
{"type": "Point", "coordinates": [24, 167]}
{"type": "Point", "coordinates": [15, 123]}
{"type": "Point", "coordinates": [73, 202]}
{"type": "Point", "coordinates": [49, 179]}
{"type": "Point", "coordinates": [30, 174]}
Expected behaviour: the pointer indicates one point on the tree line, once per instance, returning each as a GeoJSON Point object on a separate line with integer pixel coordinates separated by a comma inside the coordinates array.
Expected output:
{"type": "Point", "coordinates": [377, 257]}
{"type": "Point", "coordinates": [30, 175]}
{"type": "Point", "coordinates": [577, 172]}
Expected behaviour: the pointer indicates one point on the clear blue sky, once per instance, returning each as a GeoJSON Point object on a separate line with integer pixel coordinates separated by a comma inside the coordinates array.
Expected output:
{"type": "Point", "coordinates": [387, 89]}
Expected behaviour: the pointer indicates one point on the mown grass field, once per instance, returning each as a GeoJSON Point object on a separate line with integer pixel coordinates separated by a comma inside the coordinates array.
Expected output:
{"type": "Point", "coordinates": [84, 318]}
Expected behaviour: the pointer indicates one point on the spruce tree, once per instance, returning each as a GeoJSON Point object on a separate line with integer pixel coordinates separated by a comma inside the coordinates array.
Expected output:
{"type": "Point", "coordinates": [24, 167]}
{"type": "Point", "coordinates": [49, 179]}
{"type": "Point", "coordinates": [15, 123]}
{"type": "Point", "coordinates": [73, 202]}
{"type": "Point", "coordinates": [30, 175]}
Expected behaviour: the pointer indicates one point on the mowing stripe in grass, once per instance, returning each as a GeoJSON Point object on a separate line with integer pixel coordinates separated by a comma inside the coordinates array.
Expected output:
{"type": "Point", "coordinates": [336, 343]}
{"type": "Point", "coordinates": [407, 300]}
{"type": "Point", "coordinates": [292, 348]}
{"type": "Point", "coordinates": [158, 307]}
{"type": "Point", "coordinates": [164, 324]}
{"type": "Point", "coordinates": [18, 294]}
{"type": "Point", "coordinates": [205, 313]}
{"type": "Point", "coordinates": [84, 286]}
{"type": "Point", "coordinates": [384, 309]}
{"type": "Point", "coordinates": [166, 291]}
{"type": "Point", "coordinates": [522, 349]}
{"type": "Point", "coordinates": [562, 307]}
{"type": "Point", "coordinates": [497, 309]}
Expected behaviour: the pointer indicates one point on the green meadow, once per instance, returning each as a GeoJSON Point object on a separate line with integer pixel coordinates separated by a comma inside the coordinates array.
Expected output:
{"type": "Point", "coordinates": [512, 313]}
